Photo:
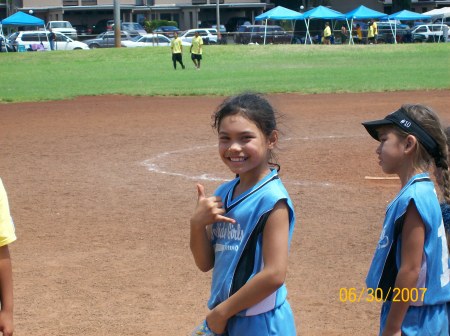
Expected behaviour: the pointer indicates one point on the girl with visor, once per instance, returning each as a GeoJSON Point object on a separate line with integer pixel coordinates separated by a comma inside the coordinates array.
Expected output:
{"type": "Point", "coordinates": [410, 267]}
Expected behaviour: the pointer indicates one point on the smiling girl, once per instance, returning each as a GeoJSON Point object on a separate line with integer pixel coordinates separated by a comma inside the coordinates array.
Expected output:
{"type": "Point", "coordinates": [243, 231]}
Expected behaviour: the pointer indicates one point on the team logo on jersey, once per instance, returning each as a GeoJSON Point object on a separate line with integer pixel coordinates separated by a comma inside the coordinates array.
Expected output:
{"type": "Point", "coordinates": [223, 230]}
{"type": "Point", "coordinates": [384, 240]}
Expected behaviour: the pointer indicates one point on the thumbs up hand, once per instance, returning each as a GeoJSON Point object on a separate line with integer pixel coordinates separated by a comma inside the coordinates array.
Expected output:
{"type": "Point", "coordinates": [208, 210]}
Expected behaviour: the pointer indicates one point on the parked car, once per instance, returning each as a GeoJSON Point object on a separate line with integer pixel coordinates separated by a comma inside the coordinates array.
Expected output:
{"type": "Point", "coordinates": [31, 38]}
{"type": "Point", "coordinates": [222, 28]}
{"type": "Point", "coordinates": [205, 33]}
{"type": "Point", "coordinates": [109, 25]}
{"type": "Point", "coordinates": [148, 40]}
{"type": "Point", "coordinates": [133, 28]}
{"type": "Point", "coordinates": [106, 40]}
{"type": "Point", "coordinates": [234, 23]}
{"type": "Point", "coordinates": [386, 32]}
{"type": "Point", "coordinates": [223, 36]}
{"type": "Point", "coordinates": [64, 27]}
{"type": "Point", "coordinates": [102, 26]}
{"type": "Point", "coordinates": [431, 32]}
{"type": "Point", "coordinates": [207, 23]}
{"type": "Point", "coordinates": [419, 38]}
{"type": "Point", "coordinates": [255, 34]}
{"type": "Point", "coordinates": [83, 29]}
{"type": "Point", "coordinates": [5, 44]}
{"type": "Point", "coordinates": [166, 30]}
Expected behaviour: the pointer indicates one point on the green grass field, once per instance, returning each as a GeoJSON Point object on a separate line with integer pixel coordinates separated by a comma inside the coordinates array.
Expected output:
{"type": "Point", "coordinates": [226, 69]}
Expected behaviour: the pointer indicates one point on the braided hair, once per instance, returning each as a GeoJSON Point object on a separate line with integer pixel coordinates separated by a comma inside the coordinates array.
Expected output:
{"type": "Point", "coordinates": [431, 123]}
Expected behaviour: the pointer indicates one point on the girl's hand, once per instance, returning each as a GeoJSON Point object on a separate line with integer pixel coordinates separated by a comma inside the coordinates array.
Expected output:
{"type": "Point", "coordinates": [208, 210]}
{"type": "Point", "coordinates": [6, 323]}
{"type": "Point", "coordinates": [216, 322]}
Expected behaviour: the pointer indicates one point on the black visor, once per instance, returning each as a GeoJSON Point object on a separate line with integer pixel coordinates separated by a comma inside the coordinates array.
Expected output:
{"type": "Point", "coordinates": [400, 119]}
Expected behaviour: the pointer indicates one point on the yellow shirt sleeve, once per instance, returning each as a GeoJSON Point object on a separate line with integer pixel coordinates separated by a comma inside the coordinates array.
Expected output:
{"type": "Point", "coordinates": [7, 230]}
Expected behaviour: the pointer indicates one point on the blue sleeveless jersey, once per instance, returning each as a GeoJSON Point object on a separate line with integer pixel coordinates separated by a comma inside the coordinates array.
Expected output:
{"type": "Point", "coordinates": [238, 247]}
{"type": "Point", "coordinates": [434, 274]}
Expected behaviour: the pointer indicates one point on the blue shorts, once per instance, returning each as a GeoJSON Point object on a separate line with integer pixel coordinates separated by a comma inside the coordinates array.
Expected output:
{"type": "Point", "coordinates": [420, 321]}
{"type": "Point", "coordinates": [277, 322]}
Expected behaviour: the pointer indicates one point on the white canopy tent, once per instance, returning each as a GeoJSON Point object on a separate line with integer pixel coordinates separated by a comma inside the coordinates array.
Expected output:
{"type": "Point", "coordinates": [439, 13]}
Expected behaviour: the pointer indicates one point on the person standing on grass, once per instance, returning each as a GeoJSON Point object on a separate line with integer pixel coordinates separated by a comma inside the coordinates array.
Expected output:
{"type": "Point", "coordinates": [327, 33]}
{"type": "Point", "coordinates": [197, 50]}
{"type": "Point", "coordinates": [370, 33]}
{"type": "Point", "coordinates": [343, 34]}
{"type": "Point", "coordinates": [243, 232]}
{"type": "Point", "coordinates": [359, 34]}
{"type": "Point", "coordinates": [7, 236]}
{"type": "Point", "coordinates": [176, 46]}
{"type": "Point", "coordinates": [375, 31]}
{"type": "Point", "coordinates": [52, 39]}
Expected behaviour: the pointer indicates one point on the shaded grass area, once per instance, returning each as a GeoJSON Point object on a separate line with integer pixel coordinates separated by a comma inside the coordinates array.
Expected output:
{"type": "Point", "coordinates": [226, 69]}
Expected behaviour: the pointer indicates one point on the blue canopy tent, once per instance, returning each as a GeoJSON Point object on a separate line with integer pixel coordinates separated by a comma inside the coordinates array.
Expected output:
{"type": "Point", "coordinates": [21, 19]}
{"type": "Point", "coordinates": [277, 13]}
{"type": "Point", "coordinates": [319, 12]}
{"type": "Point", "coordinates": [361, 13]}
{"type": "Point", "coordinates": [406, 15]}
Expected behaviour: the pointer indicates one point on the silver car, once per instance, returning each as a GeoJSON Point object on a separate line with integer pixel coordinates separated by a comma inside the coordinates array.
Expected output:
{"type": "Point", "coordinates": [205, 33]}
{"type": "Point", "coordinates": [106, 40]}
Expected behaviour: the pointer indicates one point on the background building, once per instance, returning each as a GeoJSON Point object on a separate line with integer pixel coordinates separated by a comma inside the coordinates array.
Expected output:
{"type": "Point", "coordinates": [187, 13]}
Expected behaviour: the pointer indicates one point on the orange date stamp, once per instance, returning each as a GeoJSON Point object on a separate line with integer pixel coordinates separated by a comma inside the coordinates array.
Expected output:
{"type": "Point", "coordinates": [352, 294]}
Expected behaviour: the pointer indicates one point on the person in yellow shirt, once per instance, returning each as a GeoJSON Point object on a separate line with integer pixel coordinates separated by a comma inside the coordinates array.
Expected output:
{"type": "Point", "coordinates": [197, 50]}
{"type": "Point", "coordinates": [375, 31]}
{"type": "Point", "coordinates": [327, 33]}
{"type": "Point", "coordinates": [177, 51]}
{"type": "Point", "coordinates": [7, 236]}
{"type": "Point", "coordinates": [358, 34]}
{"type": "Point", "coordinates": [370, 33]}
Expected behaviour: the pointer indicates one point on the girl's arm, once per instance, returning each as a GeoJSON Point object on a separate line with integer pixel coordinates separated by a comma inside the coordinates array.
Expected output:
{"type": "Point", "coordinates": [413, 238]}
{"type": "Point", "coordinates": [6, 292]}
{"type": "Point", "coordinates": [264, 283]}
{"type": "Point", "coordinates": [208, 211]}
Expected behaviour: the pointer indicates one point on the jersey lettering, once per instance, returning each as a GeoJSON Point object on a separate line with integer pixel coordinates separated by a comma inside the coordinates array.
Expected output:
{"type": "Point", "coordinates": [445, 277]}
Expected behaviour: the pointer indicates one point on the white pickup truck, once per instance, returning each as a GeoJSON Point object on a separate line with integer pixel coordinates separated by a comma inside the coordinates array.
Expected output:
{"type": "Point", "coordinates": [64, 27]}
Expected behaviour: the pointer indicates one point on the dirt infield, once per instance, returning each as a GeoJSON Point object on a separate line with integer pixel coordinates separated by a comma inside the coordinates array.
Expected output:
{"type": "Point", "coordinates": [101, 189]}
